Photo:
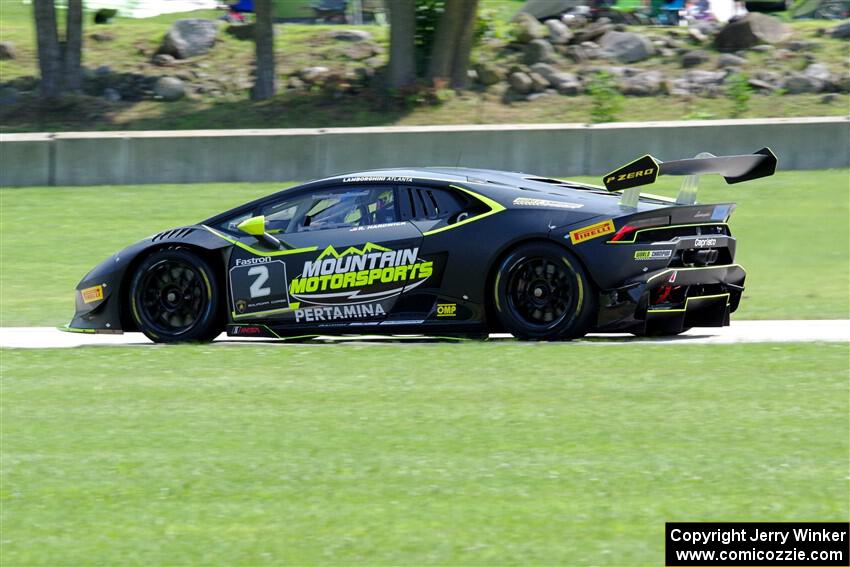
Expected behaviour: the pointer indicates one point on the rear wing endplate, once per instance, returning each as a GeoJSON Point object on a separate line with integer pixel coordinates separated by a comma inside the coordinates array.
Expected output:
{"type": "Point", "coordinates": [645, 170]}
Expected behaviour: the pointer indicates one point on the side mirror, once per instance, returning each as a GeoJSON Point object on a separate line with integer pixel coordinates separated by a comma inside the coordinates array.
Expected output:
{"type": "Point", "coordinates": [256, 226]}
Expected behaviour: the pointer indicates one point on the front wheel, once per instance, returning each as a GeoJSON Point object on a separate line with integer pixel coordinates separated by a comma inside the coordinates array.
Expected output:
{"type": "Point", "coordinates": [541, 292]}
{"type": "Point", "coordinates": [175, 297]}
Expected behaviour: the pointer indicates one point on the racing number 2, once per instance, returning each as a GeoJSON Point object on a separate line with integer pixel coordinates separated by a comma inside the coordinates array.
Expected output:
{"type": "Point", "coordinates": [257, 289]}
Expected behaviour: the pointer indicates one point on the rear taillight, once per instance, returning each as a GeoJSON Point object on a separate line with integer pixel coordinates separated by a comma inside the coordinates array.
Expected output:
{"type": "Point", "coordinates": [638, 224]}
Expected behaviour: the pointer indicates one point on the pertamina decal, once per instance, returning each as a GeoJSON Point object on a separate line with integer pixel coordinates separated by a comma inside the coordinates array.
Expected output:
{"type": "Point", "coordinates": [595, 230]}
{"type": "Point", "coordinates": [359, 275]}
{"type": "Point", "coordinates": [92, 294]}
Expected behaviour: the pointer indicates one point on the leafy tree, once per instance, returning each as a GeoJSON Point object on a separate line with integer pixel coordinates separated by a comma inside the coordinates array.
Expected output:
{"type": "Point", "coordinates": [453, 42]}
{"type": "Point", "coordinates": [265, 81]}
{"type": "Point", "coordinates": [402, 71]}
{"type": "Point", "coordinates": [431, 39]}
{"type": "Point", "coordinates": [59, 60]}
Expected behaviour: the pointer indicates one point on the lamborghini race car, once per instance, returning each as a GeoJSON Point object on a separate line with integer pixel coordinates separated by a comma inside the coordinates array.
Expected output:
{"type": "Point", "coordinates": [437, 251]}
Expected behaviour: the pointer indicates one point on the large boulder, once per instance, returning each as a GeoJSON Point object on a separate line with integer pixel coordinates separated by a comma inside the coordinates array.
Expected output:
{"type": "Point", "coordinates": [730, 60]}
{"type": "Point", "coordinates": [751, 30]}
{"type": "Point", "coordinates": [488, 74]}
{"type": "Point", "coordinates": [521, 82]}
{"type": "Point", "coordinates": [627, 47]}
{"type": "Point", "coordinates": [648, 83]}
{"type": "Point", "coordinates": [314, 74]}
{"type": "Point", "coordinates": [818, 71]}
{"type": "Point", "coordinates": [556, 78]}
{"type": "Point", "coordinates": [539, 51]}
{"type": "Point", "coordinates": [527, 28]}
{"type": "Point", "coordinates": [841, 31]}
{"type": "Point", "coordinates": [594, 31]}
{"type": "Point", "coordinates": [189, 38]}
{"type": "Point", "coordinates": [559, 33]}
{"type": "Point", "coordinates": [800, 83]}
{"type": "Point", "coordinates": [169, 88]}
{"type": "Point", "coordinates": [350, 35]}
{"type": "Point", "coordinates": [694, 58]}
{"type": "Point", "coordinates": [7, 50]}
{"type": "Point", "coordinates": [700, 77]}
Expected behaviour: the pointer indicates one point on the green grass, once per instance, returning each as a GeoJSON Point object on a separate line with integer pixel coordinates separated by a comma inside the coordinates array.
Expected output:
{"type": "Point", "coordinates": [792, 230]}
{"type": "Point", "coordinates": [227, 68]}
{"type": "Point", "coordinates": [473, 454]}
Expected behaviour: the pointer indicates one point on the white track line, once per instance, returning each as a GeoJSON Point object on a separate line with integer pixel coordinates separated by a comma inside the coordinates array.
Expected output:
{"type": "Point", "coordinates": [738, 332]}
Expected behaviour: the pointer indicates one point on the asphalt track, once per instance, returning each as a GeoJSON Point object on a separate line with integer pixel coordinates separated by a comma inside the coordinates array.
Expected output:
{"type": "Point", "coordinates": [738, 332]}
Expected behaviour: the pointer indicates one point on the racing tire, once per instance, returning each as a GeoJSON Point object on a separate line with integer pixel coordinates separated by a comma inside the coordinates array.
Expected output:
{"type": "Point", "coordinates": [541, 292]}
{"type": "Point", "coordinates": [175, 297]}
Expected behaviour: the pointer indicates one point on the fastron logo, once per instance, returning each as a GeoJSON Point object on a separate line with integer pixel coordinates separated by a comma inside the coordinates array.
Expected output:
{"type": "Point", "coordinates": [357, 275]}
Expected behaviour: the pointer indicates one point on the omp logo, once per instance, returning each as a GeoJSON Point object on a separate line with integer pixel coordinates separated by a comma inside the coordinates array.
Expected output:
{"type": "Point", "coordinates": [446, 309]}
{"type": "Point", "coordinates": [346, 274]}
{"type": "Point", "coordinates": [92, 294]}
{"type": "Point", "coordinates": [592, 231]}
{"type": "Point", "coordinates": [630, 175]}
{"type": "Point", "coordinates": [701, 242]}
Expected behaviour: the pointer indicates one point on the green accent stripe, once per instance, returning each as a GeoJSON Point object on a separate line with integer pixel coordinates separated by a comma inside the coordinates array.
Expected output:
{"type": "Point", "coordinates": [494, 208]}
{"type": "Point", "coordinates": [260, 252]}
{"type": "Point", "coordinates": [70, 329]}
{"type": "Point", "coordinates": [292, 307]}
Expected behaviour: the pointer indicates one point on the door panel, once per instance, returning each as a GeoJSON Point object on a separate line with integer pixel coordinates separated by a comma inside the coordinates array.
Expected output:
{"type": "Point", "coordinates": [333, 277]}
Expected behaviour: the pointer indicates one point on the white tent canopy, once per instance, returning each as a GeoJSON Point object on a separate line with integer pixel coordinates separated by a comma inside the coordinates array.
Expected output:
{"type": "Point", "coordinates": [145, 8]}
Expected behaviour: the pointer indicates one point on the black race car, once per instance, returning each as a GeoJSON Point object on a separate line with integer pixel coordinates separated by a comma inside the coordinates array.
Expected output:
{"type": "Point", "coordinates": [438, 251]}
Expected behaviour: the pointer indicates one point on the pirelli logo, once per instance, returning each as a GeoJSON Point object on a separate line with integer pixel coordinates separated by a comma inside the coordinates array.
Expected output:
{"type": "Point", "coordinates": [92, 294]}
{"type": "Point", "coordinates": [589, 232]}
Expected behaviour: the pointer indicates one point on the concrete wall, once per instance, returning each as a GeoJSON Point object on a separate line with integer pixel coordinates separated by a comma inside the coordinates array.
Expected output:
{"type": "Point", "coordinates": [106, 158]}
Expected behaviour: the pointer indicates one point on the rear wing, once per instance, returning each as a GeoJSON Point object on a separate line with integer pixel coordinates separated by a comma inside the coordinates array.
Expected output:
{"type": "Point", "coordinates": [645, 170]}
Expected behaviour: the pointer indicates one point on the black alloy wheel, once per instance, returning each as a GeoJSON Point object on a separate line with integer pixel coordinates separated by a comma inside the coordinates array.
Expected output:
{"type": "Point", "coordinates": [175, 297]}
{"type": "Point", "coordinates": [542, 292]}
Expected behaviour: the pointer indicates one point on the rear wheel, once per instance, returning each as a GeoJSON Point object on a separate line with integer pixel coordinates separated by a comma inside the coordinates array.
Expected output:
{"type": "Point", "coordinates": [174, 297]}
{"type": "Point", "coordinates": [542, 293]}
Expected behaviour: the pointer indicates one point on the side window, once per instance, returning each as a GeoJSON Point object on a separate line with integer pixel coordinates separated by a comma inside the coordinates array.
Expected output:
{"type": "Point", "coordinates": [353, 206]}
{"type": "Point", "coordinates": [325, 209]}
{"type": "Point", "coordinates": [427, 203]}
{"type": "Point", "coordinates": [331, 208]}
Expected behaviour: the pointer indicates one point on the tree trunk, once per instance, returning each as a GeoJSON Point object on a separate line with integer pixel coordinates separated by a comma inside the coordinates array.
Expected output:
{"type": "Point", "coordinates": [402, 36]}
{"type": "Point", "coordinates": [49, 51]}
{"type": "Point", "coordinates": [463, 49]}
{"type": "Point", "coordinates": [265, 83]}
{"type": "Point", "coordinates": [72, 75]}
{"type": "Point", "coordinates": [445, 40]}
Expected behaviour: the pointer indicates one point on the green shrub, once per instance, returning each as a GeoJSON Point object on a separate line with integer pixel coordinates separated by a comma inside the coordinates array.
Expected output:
{"type": "Point", "coordinates": [738, 92]}
{"type": "Point", "coordinates": [606, 100]}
